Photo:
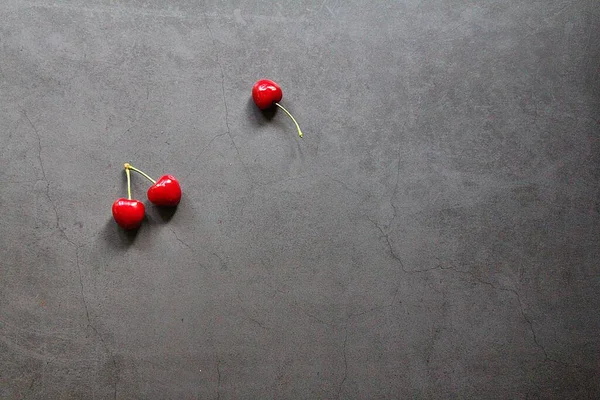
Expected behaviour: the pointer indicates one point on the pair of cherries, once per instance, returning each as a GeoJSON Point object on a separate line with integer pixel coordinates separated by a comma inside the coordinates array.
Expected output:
{"type": "Point", "coordinates": [129, 213]}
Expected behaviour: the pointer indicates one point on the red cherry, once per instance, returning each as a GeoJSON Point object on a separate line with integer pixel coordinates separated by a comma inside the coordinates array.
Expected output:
{"type": "Point", "coordinates": [266, 93]}
{"type": "Point", "coordinates": [165, 192]}
{"type": "Point", "coordinates": [128, 213]}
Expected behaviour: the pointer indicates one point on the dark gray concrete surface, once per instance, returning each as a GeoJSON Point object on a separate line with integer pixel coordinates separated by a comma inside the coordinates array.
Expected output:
{"type": "Point", "coordinates": [436, 235]}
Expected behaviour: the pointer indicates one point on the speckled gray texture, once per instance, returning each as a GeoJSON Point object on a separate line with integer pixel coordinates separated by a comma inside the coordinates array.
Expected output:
{"type": "Point", "coordinates": [436, 234]}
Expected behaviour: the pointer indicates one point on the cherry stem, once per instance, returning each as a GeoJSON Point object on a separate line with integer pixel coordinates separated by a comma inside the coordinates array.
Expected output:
{"type": "Point", "coordinates": [293, 119]}
{"type": "Point", "coordinates": [131, 167]}
{"type": "Point", "coordinates": [128, 183]}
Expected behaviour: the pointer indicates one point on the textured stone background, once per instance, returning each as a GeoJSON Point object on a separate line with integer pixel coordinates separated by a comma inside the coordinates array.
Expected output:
{"type": "Point", "coordinates": [435, 235]}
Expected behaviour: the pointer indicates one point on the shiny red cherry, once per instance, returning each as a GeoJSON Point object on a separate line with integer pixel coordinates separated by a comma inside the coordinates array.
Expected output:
{"type": "Point", "coordinates": [165, 192]}
{"type": "Point", "coordinates": [128, 213]}
{"type": "Point", "coordinates": [266, 93]}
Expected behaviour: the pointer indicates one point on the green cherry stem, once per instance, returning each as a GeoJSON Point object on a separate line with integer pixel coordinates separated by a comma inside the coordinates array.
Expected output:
{"type": "Point", "coordinates": [128, 183]}
{"type": "Point", "coordinates": [293, 119]}
{"type": "Point", "coordinates": [145, 175]}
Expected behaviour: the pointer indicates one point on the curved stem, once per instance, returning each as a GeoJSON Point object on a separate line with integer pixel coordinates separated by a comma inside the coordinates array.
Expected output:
{"type": "Point", "coordinates": [128, 183]}
{"type": "Point", "coordinates": [293, 119]}
{"type": "Point", "coordinates": [131, 167]}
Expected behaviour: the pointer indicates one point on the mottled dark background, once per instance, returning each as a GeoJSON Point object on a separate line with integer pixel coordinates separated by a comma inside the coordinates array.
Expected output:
{"type": "Point", "coordinates": [436, 235]}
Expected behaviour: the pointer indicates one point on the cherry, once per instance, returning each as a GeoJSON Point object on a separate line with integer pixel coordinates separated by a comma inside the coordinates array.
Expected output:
{"type": "Point", "coordinates": [164, 192]}
{"type": "Point", "coordinates": [128, 213]}
{"type": "Point", "coordinates": [267, 93]}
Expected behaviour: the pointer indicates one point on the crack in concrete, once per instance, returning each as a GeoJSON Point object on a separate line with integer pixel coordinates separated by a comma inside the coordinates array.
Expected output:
{"type": "Point", "coordinates": [91, 326]}
{"type": "Point", "coordinates": [228, 128]}
{"type": "Point", "coordinates": [394, 192]}
{"type": "Point", "coordinates": [134, 122]}
{"type": "Point", "coordinates": [204, 149]}
{"type": "Point", "coordinates": [39, 142]}
{"type": "Point", "coordinates": [475, 278]}
{"type": "Point", "coordinates": [524, 315]}
{"type": "Point", "coordinates": [249, 317]}
{"type": "Point", "coordinates": [393, 252]}
{"type": "Point", "coordinates": [221, 260]}
{"type": "Point", "coordinates": [112, 357]}
{"type": "Point", "coordinates": [377, 308]}
{"type": "Point", "coordinates": [222, 71]}
{"type": "Point", "coordinates": [344, 185]}
{"type": "Point", "coordinates": [87, 313]}
{"type": "Point", "coordinates": [303, 311]}
{"type": "Point", "coordinates": [210, 142]}
{"type": "Point", "coordinates": [44, 177]}
{"type": "Point", "coordinates": [530, 323]}
{"type": "Point", "coordinates": [180, 240]}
